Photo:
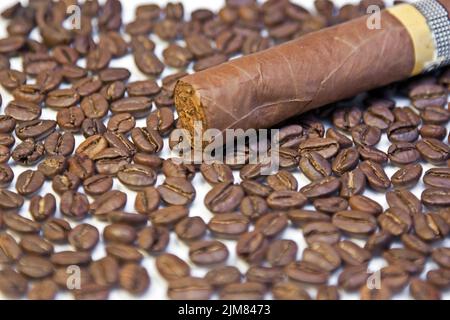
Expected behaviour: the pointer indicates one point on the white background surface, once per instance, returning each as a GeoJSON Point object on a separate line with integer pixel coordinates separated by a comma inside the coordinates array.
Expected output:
{"type": "Point", "coordinates": [158, 285]}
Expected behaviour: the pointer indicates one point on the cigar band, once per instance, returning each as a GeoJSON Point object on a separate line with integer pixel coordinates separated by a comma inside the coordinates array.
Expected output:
{"type": "Point", "coordinates": [428, 25]}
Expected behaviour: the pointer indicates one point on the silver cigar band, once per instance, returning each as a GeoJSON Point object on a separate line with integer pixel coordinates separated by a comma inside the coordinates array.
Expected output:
{"type": "Point", "coordinates": [439, 23]}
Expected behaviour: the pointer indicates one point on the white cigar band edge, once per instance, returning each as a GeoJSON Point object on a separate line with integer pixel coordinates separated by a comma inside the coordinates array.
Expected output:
{"type": "Point", "coordinates": [428, 24]}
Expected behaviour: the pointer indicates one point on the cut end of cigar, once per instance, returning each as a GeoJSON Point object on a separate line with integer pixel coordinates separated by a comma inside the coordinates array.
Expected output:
{"type": "Point", "coordinates": [189, 106]}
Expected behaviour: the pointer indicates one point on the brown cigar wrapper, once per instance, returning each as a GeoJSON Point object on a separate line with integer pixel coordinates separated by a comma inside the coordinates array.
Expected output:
{"type": "Point", "coordinates": [263, 89]}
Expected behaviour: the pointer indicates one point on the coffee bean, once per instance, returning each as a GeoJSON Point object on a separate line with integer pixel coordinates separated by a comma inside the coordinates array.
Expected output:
{"type": "Point", "coordinates": [366, 135]}
{"type": "Point", "coordinates": [147, 140]}
{"type": "Point", "coordinates": [252, 187]}
{"type": "Point", "coordinates": [34, 267]}
{"type": "Point", "coordinates": [433, 151]}
{"type": "Point", "coordinates": [352, 183]}
{"type": "Point", "coordinates": [346, 119]}
{"type": "Point", "coordinates": [60, 144]}
{"type": "Point", "coordinates": [23, 111]}
{"type": "Point", "coordinates": [375, 174]}
{"type": "Point", "coordinates": [406, 114]}
{"type": "Point", "coordinates": [111, 160]}
{"type": "Point", "coordinates": [409, 260]}
{"type": "Point", "coordinates": [436, 197]}
{"type": "Point", "coordinates": [105, 272]}
{"type": "Point", "coordinates": [365, 204]}
{"type": "Point", "coordinates": [331, 204]}
{"type": "Point", "coordinates": [67, 258]}
{"type": "Point", "coordinates": [352, 254]}
{"type": "Point", "coordinates": [176, 56]}
{"type": "Point", "coordinates": [423, 290]}
{"type": "Point", "coordinates": [413, 242]}
{"type": "Point", "coordinates": [119, 233]}
{"type": "Point", "coordinates": [10, 251]}
{"type": "Point", "coordinates": [323, 256]}
{"type": "Point", "coordinates": [378, 241]}
{"type": "Point", "coordinates": [132, 219]}
{"type": "Point", "coordinates": [143, 88]}
{"type": "Point", "coordinates": [153, 239]}
{"type": "Point", "coordinates": [114, 91]}
{"type": "Point", "coordinates": [344, 141]}
{"type": "Point", "coordinates": [62, 98]}
{"type": "Point", "coordinates": [176, 168]}
{"type": "Point", "coordinates": [169, 216]}
{"type": "Point", "coordinates": [222, 276]}
{"type": "Point", "coordinates": [243, 291]}
{"type": "Point", "coordinates": [326, 147]}
{"type": "Point", "coordinates": [28, 93]}
{"type": "Point", "coordinates": [10, 200]}
{"type": "Point", "coordinates": [403, 153]}
{"type": "Point", "coordinates": [428, 94]}
{"type": "Point", "coordinates": [149, 160]}
{"type": "Point", "coordinates": [6, 175]}
{"type": "Point", "coordinates": [123, 253]}
{"type": "Point", "coordinates": [264, 275]}
{"type": "Point", "coordinates": [224, 197]}
{"type": "Point", "coordinates": [430, 226]}
{"type": "Point", "coordinates": [147, 200]}
{"type": "Point", "coordinates": [405, 200]}
{"type": "Point", "coordinates": [92, 146]}
{"type": "Point", "coordinates": [172, 267]}
{"type": "Point", "coordinates": [280, 200]}
{"type": "Point", "coordinates": [35, 245]}
{"type": "Point", "coordinates": [402, 131]}
{"type": "Point", "coordinates": [288, 158]}
{"type": "Point", "coordinates": [407, 177]}
{"type": "Point", "coordinates": [81, 166]}
{"type": "Point", "coordinates": [28, 152]}
{"type": "Point", "coordinates": [6, 140]}
{"type": "Point", "coordinates": [321, 188]}
{"type": "Point", "coordinates": [43, 290]}
{"type": "Point", "coordinates": [355, 222]}
{"type": "Point", "coordinates": [321, 232]}
{"type": "Point", "coordinates": [83, 237]}
{"type": "Point", "coordinates": [136, 176]}
{"type": "Point", "coordinates": [306, 272]}
{"type": "Point", "coordinates": [300, 218]}
{"type": "Point", "coordinates": [433, 131]}
{"type": "Point", "coordinates": [41, 208]}
{"type": "Point", "coordinates": [346, 160]}
{"type": "Point", "coordinates": [208, 252]}
{"type": "Point", "coordinates": [35, 129]}
{"type": "Point", "coordinates": [378, 116]}
{"type": "Point", "coordinates": [176, 191]}
{"type": "Point", "coordinates": [290, 136]}
{"type": "Point", "coordinates": [372, 154]}
{"type": "Point", "coordinates": [439, 278]}
{"type": "Point", "coordinates": [94, 106]}
{"type": "Point", "coordinates": [12, 284]}
{"type": "Point", "coordinates": [215, 173]}
{"type": "Point", "coordinates": [107, 202]}
{"type": "Point", "coordinates": [189, 288]}
{"type": "Point", "coordinates": [52, 166]}
{"type": "Point", "coordinates": [252, 246]}
{"type": "Point", "coordinates": [228, 225]}
{"type": "Point", "coordinates": [65, 182]}
{"type": "Point", "coordinates": [190, 228]}
{"type": "Point", "coordinates": [97, 185]}
{"type": "Point", "coordinates": [353, 277]}
{"type": "Point", "coordinates": [281, 252]}
{"type": "Point", "coordinates": [134, 279]}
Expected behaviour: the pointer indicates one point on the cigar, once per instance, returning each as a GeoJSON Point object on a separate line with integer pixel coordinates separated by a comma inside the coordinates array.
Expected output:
{"type": "Point", "coordinates": [266, 88]}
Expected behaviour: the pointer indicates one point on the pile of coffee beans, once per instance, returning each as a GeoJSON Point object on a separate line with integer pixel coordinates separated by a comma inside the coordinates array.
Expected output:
{"type": "Point", "coordinates": [96, 143]}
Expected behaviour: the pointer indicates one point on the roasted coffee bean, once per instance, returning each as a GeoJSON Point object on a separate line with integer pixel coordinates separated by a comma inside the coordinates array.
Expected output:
{"type": "Point", "coordinates": [5, 153]}
{"type": "Point", "coordinates": [352, 183]}
{"type": "Point", "coordinates": [52, 166]}
{"type": "Point", "coordinates": [34, 267]}
{"type": "Point", "coordinates": [132, 219]}
{"type": "Point", "coordinates": [94, 106]}
{"type": "Point", "coordinates": [352, 254]}
{"type": "Point", "coordinates": [435, 115]}
{"type": "Point", "coordinates": [28, 152]}
{"type": "Point", "coordinates": [365, 204]}
{"type": "Point", "coordinates": [378, 116]}
{"type": "Point", "coordinates": [169, 216]}
{"type": "Point", "coordinates": [29, 93]}
{"type": "Point", "coordinates": [403, 132]}
{"type": "Point", "coordinates": [253, 170]}
{"type": "Point", "coordinates": [326, 147]}
{"type": "Point", "coordinates": [306, 272]}
{"type": "Point", "coordinates": [407, 177]}
{"type": "Point", "coordinates": [265, 275]}
{"type": "Point", "coordinates": [81, 166]}
{"type": "Point", "coordinates": [35, 245]}
{"type": "Point", "coordinates": [423, 290]}
{"type": "Point", "coordinates": [148, 141]}
{"type": "Point", "coordinates": [353, 277]}
{"type": "Point", "coordinates": [406, 114]}
{"type": "Point", "coordinates": [134, 278]}
{"type": "Point", "coordinates": [147, 200]}
{"type": "Point", "coordinates": [272, 224]}
{"type": "Point", "coordinates": [189, 288]}
{"type": "Point", "coordinates": [176, 56]}
{"type": "Point", "coordinates": [288, 158]}
{"type": "Point", "coordinates": [12, 284]}
{"type": "Point", "coordinates": [23, 110]}
{"type": "Point", "coordinates": [74, 205]}
{"type": "Point", "coordinates": [7, 124]}
{"type": "Point", "coordinates": [433, 131]}
{"type": "Point", "coordinates": [355, 222]}
{"type": "Point", "coordinates": [7, 140]}
{"type": "Point", "coordinates": [314, 166]}
{"type": "Point", "coordinates": [252, 246]}
{"type": "Point", "coordinates": [97, 185]}
{"type": "Point", "coordinates": [6, 175]}
{"type": "Point", "coordinates": [437, 178]}
{"type": "Point", "coordinates": [123, 252]}
{"type": "Point", "coordinates": [153, 239]}
{"type": "Point", "coordinates": [252, 187]}
{"type": "Point", "coordinates": [327, 293]}
{"type": "Point", "coordinates": [10, 200]}
{"type": "Point", "coordinates": [433, 150]}
{"type": "Point", "coordinates": [331, 204]}
{"type": "Point", "coordinates": [282, 181]}
{"type": "Point", "coordinates": [403, 153]}
{"type": "Point", "coordinates": [413, 242]}
{"type": "Point", "coordinates": [113, 91]}
{"type": "Point", "coordinates": [174, 167]}
{"type": "Point", "coordinates": [281, 252]}
{"type": "Point", "coordinates": [41, 208]}
{"type": "Point", "coordinates": [61, 144]}
{"type": "Point", "coordinates": [346, 119]}
{"type": "Point", "coordinates": [378, 241]}
{"type": "Point", "coordinates": [243, 291]}
{"type": "Point", "coordinates": [344, 141]}
{"type": "Point", "coordinates": [366, 135]}
{"type": "Point", "coordinates": [215, 173]}
{"type": "Point", "coordinates": [20, 224]}
{"type": "Point", "coordinates": [430, 226]}
{"type": "Point", "coordinates": [92, 146]}
{"type": "Point", "coordinates": [148, 160]}
{"type": "Point", "coordinates": [396, 221]}
{"type": "Point", "coordinates": [207, 252]}
{"type": "Point", "coordinates": [394, 277]}
{"type": "Point", "coordinates": [137, 106]}
{"type": "Point", "coordinates": [376, 176]}
{"type": "Point", "coordinates": [29, 181]}
{"type": "Point", "coordinates": [35, 129]}
{"type": "Point", "coordinates": [281, 200]}
{"type": "Point", "coordinates": [119, 233]}
{"type": "Point", "coordinates": [439, 278]}
{"type": "Point", "coordinates": [45, 289]}
{"type": "Point", "coordinates": [83, 237]}
{"type": "Point", "coordinates": [10, 251]}
{"type": "Point", "coordinates": [428, 94]}
{"type": "Point", "coordinates": [253, 207]}
{"type": "Point", "coordinates": [62, 98]}
{"type": "Point", "coordinates": [176, 191]}
{"type": "Point", "coordinates": [56, 230]}
{"type": "Point", "coordinates": [405, 200]}
{"type": "Point", "coordinates": [172, 267]}
{"type": "Point", "coordinates": [121, 123]}
{"type": "Point", "coordinates": [114, 74]}
{"type": "Point", "coordinates": [224, 197]}
{"type": "Point", "coordinates": [321, 232]}
{"type": "Point", "coordinates": [436, 198]}
{"type": "Point", "coordinates": [111, 160]}
{"type": "Point", "coordinates": [190, 228]}
{"type": "Point", "coordinates": [65, 182]}
{"type": "Point", "coordinates": [70, 119]}
{"type": "Point", "coordinates": [105, 272]}
{"type": "Point", "coordinates": [12, 79]}
{"type": "Point", "coordinates": [372, 154]}
{"type": "Point", "coordinates": [321, 188]}
{"type": "Point", "coordinates": [143, 88]}
{"type": "Point", "coordinates": [107, 202]}
{"type": "Point", "coordinates": [228, 225]}
{"type": "Point", "coordinates": [290, 136]}
{"type": "Point", "coordinates": [346, 160]}
{"type": "Point", "coordinates": [136, 176]}
{"type": "Point", "coordinates": [411, 261]}
{"type": "Point", "coordinates": [300, 218]}
{"type": "Point", "coordinates": [222, 276]}
{"type": "Point", "coordinates": [98, 59]}
{"type": "Point", "coordinates": [322, 255]}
